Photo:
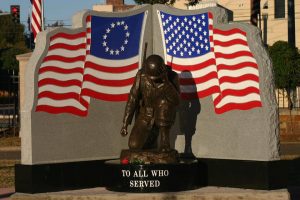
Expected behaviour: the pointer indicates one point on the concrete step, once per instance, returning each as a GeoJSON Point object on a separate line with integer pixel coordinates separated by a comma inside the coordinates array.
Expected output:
{"type": "Point", "coordinates": [206, 193]}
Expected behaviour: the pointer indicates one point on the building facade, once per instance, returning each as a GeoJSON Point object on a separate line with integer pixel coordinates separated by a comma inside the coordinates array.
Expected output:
{"type": "Point", "coordinates": [275, 21]}
{"type": "Point", "coordinates": [112, 6]}
{"type": "Point", "coordinates": [272, 20]}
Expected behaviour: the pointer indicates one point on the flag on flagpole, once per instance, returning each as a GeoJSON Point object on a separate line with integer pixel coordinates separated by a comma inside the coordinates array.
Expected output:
{"type": "Point", "coordinates": [36, 17]}
{"type": "Point", "coordinates": [82, 65]}
{"type": "Point", "coordinates": [211, 61]}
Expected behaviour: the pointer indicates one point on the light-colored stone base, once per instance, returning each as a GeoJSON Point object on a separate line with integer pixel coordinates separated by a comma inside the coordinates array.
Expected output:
{"type": "Point", "coordinates": [207, 193]}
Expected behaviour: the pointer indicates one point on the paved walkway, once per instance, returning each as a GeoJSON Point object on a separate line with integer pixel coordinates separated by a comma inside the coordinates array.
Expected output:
{"type": "Point", "coordinates": [10, 153]}
{"type": "Point", "coordinates": [290, 148]}
{"type": "Point", "coordinates": [205, 193]}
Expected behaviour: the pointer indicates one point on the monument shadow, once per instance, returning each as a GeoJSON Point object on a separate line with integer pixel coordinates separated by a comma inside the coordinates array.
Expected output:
{"type": "Point", "coordinates": [188, 111]}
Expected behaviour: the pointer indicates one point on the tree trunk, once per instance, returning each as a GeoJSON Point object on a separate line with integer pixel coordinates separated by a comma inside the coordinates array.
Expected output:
{"type": "Point", "coordinates": [290, 106]}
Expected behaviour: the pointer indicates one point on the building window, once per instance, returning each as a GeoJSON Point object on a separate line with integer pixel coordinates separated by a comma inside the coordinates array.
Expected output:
{"type": "Point", "coordinates": [279, 8]}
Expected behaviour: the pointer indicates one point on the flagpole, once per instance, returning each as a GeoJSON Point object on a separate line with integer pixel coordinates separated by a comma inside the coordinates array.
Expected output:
{"type": "Point", "coordinates": [29, 16]}
{"type": "Point", "coordinates": [43, 16]}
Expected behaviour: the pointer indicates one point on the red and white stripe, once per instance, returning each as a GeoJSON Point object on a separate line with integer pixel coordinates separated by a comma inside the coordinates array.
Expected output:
{"type": "Point", "coordinates": [198, 75]}
{"type": "Point", "coordinates": [60, 75]}
{"type": "Point", "coordinates": [106, 79]}
{"type": "Point", "coordinates": [36, 17]}
{"type": "Point", "coordinates": [237, 72]}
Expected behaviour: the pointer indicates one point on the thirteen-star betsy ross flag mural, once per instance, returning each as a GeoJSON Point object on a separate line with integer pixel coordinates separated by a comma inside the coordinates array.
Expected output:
{"type": "Point", "coordinates": [100, 62]}
{"type": "Point", "coordinates": [113, 57]}
{"type": "Point", "coordinates": [211, 61]}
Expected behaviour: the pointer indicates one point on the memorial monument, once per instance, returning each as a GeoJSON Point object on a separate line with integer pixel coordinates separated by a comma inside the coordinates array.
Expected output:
{"type": "Point", "coordinates": [79, 79]}
{"type": "Point", "coordinates": [153, 99]}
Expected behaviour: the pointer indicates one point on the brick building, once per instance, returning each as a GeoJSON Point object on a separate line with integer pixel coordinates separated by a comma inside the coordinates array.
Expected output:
{"type": "Point", "coordinates": [273, 18]}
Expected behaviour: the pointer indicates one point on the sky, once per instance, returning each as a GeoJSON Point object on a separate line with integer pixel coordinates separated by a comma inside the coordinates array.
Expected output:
{"type": "Point", "coordinates": [54, 9]}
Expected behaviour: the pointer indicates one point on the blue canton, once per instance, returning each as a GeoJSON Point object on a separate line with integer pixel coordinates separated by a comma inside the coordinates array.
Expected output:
{"type": "Point", "coordinates": [116, 37]}
{"type": "Point", "coordinates": [186, 36]}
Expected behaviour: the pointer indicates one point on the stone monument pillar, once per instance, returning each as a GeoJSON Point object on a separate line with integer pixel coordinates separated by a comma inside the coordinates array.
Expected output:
{"type": "Point", "coordinates": [23, 60]}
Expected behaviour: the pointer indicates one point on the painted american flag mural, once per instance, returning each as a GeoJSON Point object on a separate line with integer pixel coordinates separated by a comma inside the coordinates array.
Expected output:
{"type": "Point", "coordinates": [211, 61]}
{"type": "Point", "coordinates": [101, 63]}
{"type": "Point", "coordinates": [60, 75]}
{"type": "Point", "coordinates": [113, 56]}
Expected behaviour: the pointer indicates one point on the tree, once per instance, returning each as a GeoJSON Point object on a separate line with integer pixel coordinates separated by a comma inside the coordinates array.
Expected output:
{"type": "Point", "coordinates": [167, 2]}
{"type": "Point", "coordinates": [12, 42]}
{"type": "Point", "coordinates": [286, 64]}
{"type": "Point", "coordinates": [193, 2]}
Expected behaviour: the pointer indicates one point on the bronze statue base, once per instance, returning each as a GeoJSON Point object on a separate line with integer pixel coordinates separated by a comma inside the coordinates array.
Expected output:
{"type": "Point", "coordinates": [148, 156]}
{"type": "Point", "coordinates": [186, 174]}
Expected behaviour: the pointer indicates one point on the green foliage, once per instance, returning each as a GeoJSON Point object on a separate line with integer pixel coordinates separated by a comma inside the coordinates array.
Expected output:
{"type": "Point", "coordinates": [8, 57]}
{"type": "Point", "coordinates": [7, 173]}
{"type": "Point", "coordinates": [193, 2]}
{"type": "Point", "coordinates": [167, 2]}
{"type": "Point", "coordinates": [12, 42]}
{"type": "Point", "coordinates": [286, 64]}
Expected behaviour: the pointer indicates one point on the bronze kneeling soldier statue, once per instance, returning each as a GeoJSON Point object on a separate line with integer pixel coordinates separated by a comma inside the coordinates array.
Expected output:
{"type": "Point", "coordinates": [153, 99]}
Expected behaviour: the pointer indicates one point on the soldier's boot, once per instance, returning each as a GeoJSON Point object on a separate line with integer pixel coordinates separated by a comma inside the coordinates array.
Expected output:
{"type": "Point", "coordinates": [188, 153]}
{"type": "Point", "coordinates": [164, 132]}
{"type": "Point", "coordinates": [188, 145]}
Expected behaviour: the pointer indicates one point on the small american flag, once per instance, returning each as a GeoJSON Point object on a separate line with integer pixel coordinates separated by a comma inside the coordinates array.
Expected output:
{"type": "Point", "coordinates": [36, 17]}
{"type": "Point", "coordinates": [211, 61]}
{"type": "Point", "coordinates": [100, 62]}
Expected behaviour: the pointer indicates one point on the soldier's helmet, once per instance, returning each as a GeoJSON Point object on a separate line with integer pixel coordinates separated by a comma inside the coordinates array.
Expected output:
{"type": "Point", "coordinates": [155, 67]}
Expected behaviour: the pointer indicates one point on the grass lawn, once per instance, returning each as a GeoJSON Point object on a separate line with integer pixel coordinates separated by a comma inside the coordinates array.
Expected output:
{"type": "Point", "coordinates": [7, 170]}
{"type": "Point", "coordinates": [7, 173]}
{"type": "Point", "coordinates": [10, 141]}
